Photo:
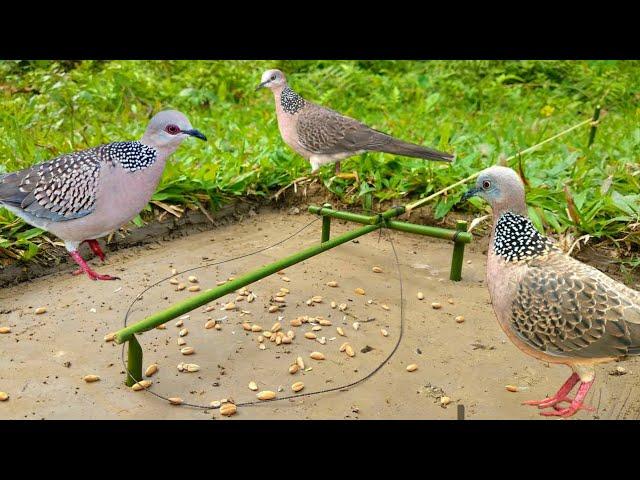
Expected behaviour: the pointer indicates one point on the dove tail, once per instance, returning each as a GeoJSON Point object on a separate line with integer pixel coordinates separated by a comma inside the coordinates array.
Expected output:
{"type": "Point", "coordinates": [398, 147]}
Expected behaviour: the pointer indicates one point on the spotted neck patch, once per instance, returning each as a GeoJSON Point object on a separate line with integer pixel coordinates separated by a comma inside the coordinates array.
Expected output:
{"type": "Point", "coordinates": [132, 156]}
{"type": "Point", "coordinates": [290, 101]}
{"type": "Point", "coordinates": [517, 239]}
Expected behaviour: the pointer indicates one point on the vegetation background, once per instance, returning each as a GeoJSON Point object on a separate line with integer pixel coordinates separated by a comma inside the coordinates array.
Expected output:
{"type": "Point", "coordinates": [480, 110]}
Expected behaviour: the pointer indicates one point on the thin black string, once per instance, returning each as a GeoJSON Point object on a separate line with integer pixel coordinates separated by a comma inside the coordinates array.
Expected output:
{"type": "Point", "coordinates": [286, 397]}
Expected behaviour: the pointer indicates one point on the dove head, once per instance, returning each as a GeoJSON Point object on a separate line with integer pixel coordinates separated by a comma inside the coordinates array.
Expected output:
{"type": "Point", "coordinates": [167, 130]}
{"type": "Point", "coordinates": [273, 80]}
{"type": "Point", "coordinates": [502, 188]}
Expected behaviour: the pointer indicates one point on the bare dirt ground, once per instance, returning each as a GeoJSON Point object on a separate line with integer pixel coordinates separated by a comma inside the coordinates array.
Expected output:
{"type": "Point", "coordinates": [45, 357]}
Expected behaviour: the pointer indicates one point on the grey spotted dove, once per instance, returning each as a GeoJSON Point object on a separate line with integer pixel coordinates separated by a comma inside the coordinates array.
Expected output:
{"type": "Point", "coordinates": [324, 136]}
{"type": "Point", "coordinates": [85, 195]}
{"type": "Point", "coordinates": [552, 306]}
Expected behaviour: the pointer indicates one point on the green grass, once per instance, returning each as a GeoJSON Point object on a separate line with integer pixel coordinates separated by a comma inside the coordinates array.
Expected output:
{"type": "Point", "coordinates": [481, 110]}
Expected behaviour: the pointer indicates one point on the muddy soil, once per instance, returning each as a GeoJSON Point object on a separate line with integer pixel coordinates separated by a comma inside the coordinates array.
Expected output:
{"type": "Point", "coordinates": [45, 357]}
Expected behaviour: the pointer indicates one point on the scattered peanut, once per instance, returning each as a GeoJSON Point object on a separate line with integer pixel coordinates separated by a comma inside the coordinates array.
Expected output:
{"type": "Point", "coordinates": [191, 367]}
{"type": "Point", "coordinates": [141, 385]}
{"type": "Point", "coordinates": [317, 356]}
{"type": "Point", "coordinates": [273, 308]}
{"type": "Point", "coordinates": [230, 306]}
{"type": "Point", "coordinates": [412, 368]}
{"type": "Point", "coordinates": [256, 328]}
{"type": "Point", "coordinates": [91, 378]}
{"type": "Point", "coordinates": [286, 279]}
{"type": "Point", "coordinates": [296, 387]}
{"type": "Point", "coordinates": [344, 346]}
{"type": "Point", "coordinates": [183, 333]}
{"type": "Point", "coordinates": [511, 388]}
{"type": "Point", "coordinates": [300, 363]}
{"type": "Point", "coordinates": [4, 396]}
{"type": "Point", "coordinates": [359, 291]}
{"type": "Point", "coordinates": [253, 386]}
{"type": "Point", "coordinates": [187, 350]}
{"type": "Point", "coordinates": [193, 279]}
{"type": "Point", "coordinates": [376, 269]}
{"type": "Point", "coordinates": [459, 319]}
{"type": "Point", "coordinates": [5, 330]}
{"type": "Point", "coordinates": [109, 337]}
{"type": "Point", "coordinates": [180, 287]}
{"type": "Point", "coordinates": [436, 305]}
{"type": "Point", "coordinates": [175, 400]}
{"type": "Point", "coordinates": [40, 310]}
{"type": "Point", "coordinates": [266, 395]}
{"type": "Point", "coordinates": [174, 281]}
{"type": "Point", "coordinates": [384, 332]}
{"type": "Point", "coordinates": [228, 409]}
{"type": "Point", "coordinates": [210, 324]}
{"type": "Point", "coordinates": [246, 327]}
{"type": "Point", "coordinates": [276, 326]}
{"type": "Point", "coordinates": [310, 335]}
{"type": "Point", "coordinates": [151, 369]}
{"type": "Point", "coordinates": [194, 288]}
{"type": "Point", "coordinates": [420, 296]}
{"type": "Point", "coordinates": [332, 283]}
{"type": "Point", "coordinates": [340, 331]}
{"type": "Point", "coordinates": [444, 401]}
{"type": "Point", "coordinates": [293, 368]}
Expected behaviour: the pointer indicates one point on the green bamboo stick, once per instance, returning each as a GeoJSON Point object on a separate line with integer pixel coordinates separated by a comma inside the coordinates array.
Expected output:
{"type": "Point", "coordinates": [594, 125]}
{"type": "Point", "coordinates": [192, 303]}
{"type": "Point", "coordinates": [458, 252]}
{"type": "Point", "coordinates": [326, 225]}
{"type": "Point", "coordinates": [134, 362]}
{"type": "Point", "coordinates": [456, 236]}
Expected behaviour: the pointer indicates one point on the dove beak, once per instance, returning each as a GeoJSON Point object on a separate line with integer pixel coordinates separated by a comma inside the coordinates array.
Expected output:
{"type": "Point", "coordinates": [195, 133]}
{"type": "Point", "coordinates": [262, 85]}
{"type": "Point", "coordinates": [470, 193]}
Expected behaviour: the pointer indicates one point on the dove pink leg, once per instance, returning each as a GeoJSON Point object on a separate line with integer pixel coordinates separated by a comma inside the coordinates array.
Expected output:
{"type": "Point", "coordinates": [576, 403]}
{"type": "Point", "coordinates": [560, 396]}
{"type": "Point", "coordinates": [97, 251]}
{"type": "Point", "coordinates": [86, 269]}
{"type": "Point", "coordinates": [95, 248]}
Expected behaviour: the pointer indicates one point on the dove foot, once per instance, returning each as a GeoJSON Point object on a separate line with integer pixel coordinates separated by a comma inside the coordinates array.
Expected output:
{"type": "Point", "coordinates": [84, 268]}
{"type": "Point", "coordinates": [560, 396]}
{"type": "Point", "coordinates": [575, 404]}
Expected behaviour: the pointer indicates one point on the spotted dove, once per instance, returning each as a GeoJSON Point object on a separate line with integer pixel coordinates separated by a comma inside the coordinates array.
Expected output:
{"type": "Point", "coordinates": [324, 136]}
{"type": "Point", "coordinates": [85, 195]}
{"type": "Point", "coordinates": [551, 306]}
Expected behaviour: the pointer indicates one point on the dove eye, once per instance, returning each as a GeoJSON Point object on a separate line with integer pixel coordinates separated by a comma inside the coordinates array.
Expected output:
{"type": "Point", "coordinates": [273, 77]}
{"type": "Point", "coordinates": [173, 129]}
{"type": "Point", "coordinates": [486, 185]}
